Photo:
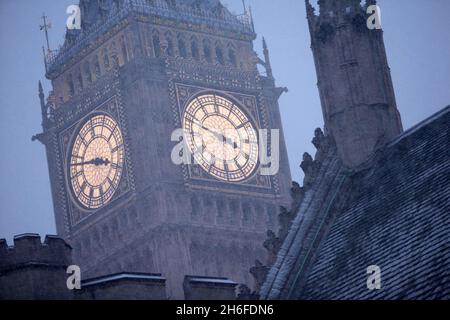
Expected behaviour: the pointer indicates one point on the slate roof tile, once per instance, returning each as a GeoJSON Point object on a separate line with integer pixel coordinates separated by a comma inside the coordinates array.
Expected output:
{"type": "Point", "coordinates": [396, 215]}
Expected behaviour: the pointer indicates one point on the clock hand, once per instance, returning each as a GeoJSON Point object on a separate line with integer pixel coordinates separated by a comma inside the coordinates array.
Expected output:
{"type": "Point", "coordinates": [218, 135]}
{"type": "Point", "coordinates": [224, 138]}
{"type": "Point", "coordinates": [230, 142]}
{"type": "Point", "coordinates": [97, 162]}
{"type": "Point", "coordinates": [215, 133]}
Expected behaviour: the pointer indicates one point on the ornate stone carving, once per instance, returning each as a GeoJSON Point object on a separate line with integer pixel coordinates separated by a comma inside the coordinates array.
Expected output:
{"type": "Point", "coordinates": [318, 138]}
{"type": "Point", "coordinates": [310, 167]}
{"type": "Point", "coordinates": [297, 194]}
{"type": "Point", "coordinates": [322, 144]}
{"type": "Point", "coordinates": [272, 244]}
{"type": "Point", "coordinates": [246, 294]}
{"type": "Point", "coordinates": [285, 220]}
{"type": "Point", "coordinates": [307, 166]}
{"type": "Point", "coordinates": [259, 273]}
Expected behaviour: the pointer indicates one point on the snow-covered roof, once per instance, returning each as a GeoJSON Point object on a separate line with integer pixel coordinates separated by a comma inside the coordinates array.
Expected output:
{"type": "Point", "coordinates": [123, 276]}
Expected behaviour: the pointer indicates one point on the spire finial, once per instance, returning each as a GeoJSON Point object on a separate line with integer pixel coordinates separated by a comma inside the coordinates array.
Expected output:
{"type": "Point", "coordinates": [45, 27]}
{"type": "Point", "coordinates": [41, 90]}
{"type": "Point", "coordinates": [267, 63]}
{"type": "Point", "coordinates": [251, 18]}
{"type": "Point", "coordinates": [245, 6]}
{"type": "Point", "coordinates": [43, 105]}
{"type": "Point", "coordinates": [45, 58]}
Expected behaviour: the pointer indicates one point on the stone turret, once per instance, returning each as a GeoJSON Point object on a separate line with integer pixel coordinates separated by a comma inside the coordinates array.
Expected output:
{"type": "Point", "coordinates": [354, 80]}
{"type": "Point", "coordinates": [34, 270]}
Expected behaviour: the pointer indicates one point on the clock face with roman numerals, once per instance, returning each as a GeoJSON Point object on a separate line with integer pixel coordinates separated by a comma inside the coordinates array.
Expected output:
{"type": "Point", "coordinates": [96, 161]}
{"type": "Point", "coordinates": [221, 137]}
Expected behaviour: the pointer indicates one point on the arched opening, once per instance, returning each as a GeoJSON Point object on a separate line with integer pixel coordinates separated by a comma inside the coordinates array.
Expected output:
{"type": "Point", "coordinates": [194, 50]}
{"type": "Point", "coordinates": [232, 57]}
{"type": "Point", "coordinates": [219, 55]}
{"type": "Point", "coordinates": [182, 48]}
{"type": "Point", "coordinates": [70, 85]}
{"type": "Point", "coordinates": [156, 45]}
{"type": "Point", "coordinates": [106, 59]}
{"type": "Point", "coordinates": [124, 52]}
{"type": "Point", "coordinates": [87, 71]}
{"type": "Point", "coordinates": [80, 80]}
{"type": "Point", "coordinates": [97, 68]}
{"type": "Point", "coordinates": [170, 45]}
{"type": "Point", "coordinates": [207, 51]}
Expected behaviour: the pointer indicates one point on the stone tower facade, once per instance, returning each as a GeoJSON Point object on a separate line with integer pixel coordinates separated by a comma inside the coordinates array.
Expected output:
{"type": "Point", "coordinates": [134, 68]}
{"type": "Point", "coordinates": [354, 80]}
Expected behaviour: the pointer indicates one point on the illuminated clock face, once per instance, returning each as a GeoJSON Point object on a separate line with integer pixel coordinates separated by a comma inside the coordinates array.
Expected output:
{"type": "Point", "coordinates": [221, 137]}
{"type": "Point", "coordinates": [96, 162]}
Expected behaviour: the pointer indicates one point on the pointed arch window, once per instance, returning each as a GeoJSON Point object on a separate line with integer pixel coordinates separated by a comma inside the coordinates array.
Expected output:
{"type": "Point", "coordinates": [219, 55]}
{"type": "Point", "coordinates": [182, 47]}
{"type": "Point", "coordinates": [97, 69]}
{"type": "Point", "coordinates": [80, 81]}
{"type": "Point", "coordinates": [70, 85]}
{"type": "Point", "coordinates": [171, 4]}
{"type": "Point", "coordinates": [194, 50]}
{"type": "Point", "coordinates": [170, 46]}
{"type": "Point", "coordinates": [124, 52]}
{"type": "Point", "coordinates": [207, 51]}
{"type": "Point", "coordinates": [157, 45]}
{"type": "Point", "coordinates": [106, 59]}
{"type": "Point", "coordinates": [114, 55]}
{"type": "Point", "coordinates": [87, 71]}
{"type": "Point", "coordinates": [232, 57]}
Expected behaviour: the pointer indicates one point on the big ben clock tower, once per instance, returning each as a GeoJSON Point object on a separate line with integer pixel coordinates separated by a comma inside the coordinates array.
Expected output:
{"type": "Point", "coordinates": [137, 71]}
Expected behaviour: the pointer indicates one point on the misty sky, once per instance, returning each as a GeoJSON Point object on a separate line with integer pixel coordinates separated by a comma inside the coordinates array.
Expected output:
{"type": "Point", "coordinates": [417, 36]}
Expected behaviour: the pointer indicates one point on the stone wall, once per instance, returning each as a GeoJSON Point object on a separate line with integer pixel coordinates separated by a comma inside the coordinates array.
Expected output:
{"type": "Point", "coordinates": [34, 270]}
{"type": "Point", "coordinates": [37, 271]}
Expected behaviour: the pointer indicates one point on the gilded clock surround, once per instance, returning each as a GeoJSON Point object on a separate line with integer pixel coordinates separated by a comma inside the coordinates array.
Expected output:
{"type": "Point", "coordinates": [221, 137]}
{"type": "Point", "coordinates": [95, 161]}
{"type": "Point", "coordinates": [77, 211]}
{"type": "Point", "coordinates": [252, 106]}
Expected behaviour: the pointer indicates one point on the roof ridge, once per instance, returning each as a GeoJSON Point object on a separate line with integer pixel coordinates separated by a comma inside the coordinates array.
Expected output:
{"type": "Point", "coordinates": [419, 125]}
